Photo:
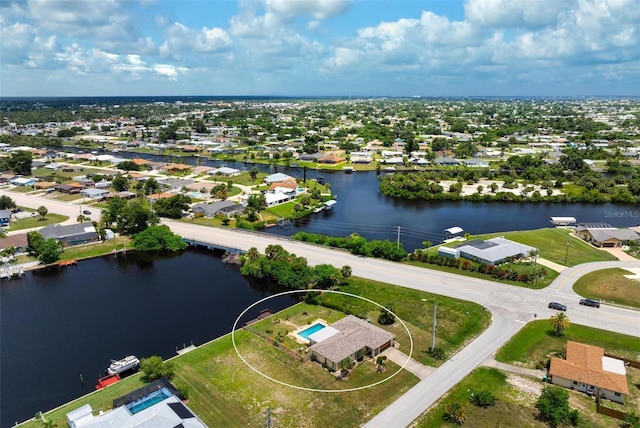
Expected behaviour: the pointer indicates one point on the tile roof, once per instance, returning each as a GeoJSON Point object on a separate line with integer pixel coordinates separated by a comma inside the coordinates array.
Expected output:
{"type": "Point", "coordinates": [584, 364]}
{"type": "Point", "coordinates": [355, 334]}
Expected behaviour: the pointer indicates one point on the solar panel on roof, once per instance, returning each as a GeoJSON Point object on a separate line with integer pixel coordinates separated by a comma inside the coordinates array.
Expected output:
{"type": "Point", "coordinates": [180, 410]}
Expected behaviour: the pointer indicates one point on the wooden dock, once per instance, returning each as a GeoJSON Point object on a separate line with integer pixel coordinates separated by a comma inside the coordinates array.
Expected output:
{"type": "Point", "coordinates": [67, 262]}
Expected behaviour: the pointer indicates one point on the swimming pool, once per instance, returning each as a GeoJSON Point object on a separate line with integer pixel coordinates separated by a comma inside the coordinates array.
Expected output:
{"type": "Point", "coordinates": [148, 401]}
{"type": "Point", "coordinates": [310, 330]}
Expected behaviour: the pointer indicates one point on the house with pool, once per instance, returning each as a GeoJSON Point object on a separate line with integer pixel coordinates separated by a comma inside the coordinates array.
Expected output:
{"type": "Point", "coordinates": [348, 338]}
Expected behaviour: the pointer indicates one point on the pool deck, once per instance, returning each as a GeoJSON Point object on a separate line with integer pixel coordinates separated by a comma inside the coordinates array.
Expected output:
{"type": "Point", "coordinates": [295, 336]}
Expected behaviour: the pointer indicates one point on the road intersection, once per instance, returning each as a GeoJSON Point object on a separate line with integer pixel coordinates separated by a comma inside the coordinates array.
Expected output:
{"type": "Point", "coordinates": [511, 307]}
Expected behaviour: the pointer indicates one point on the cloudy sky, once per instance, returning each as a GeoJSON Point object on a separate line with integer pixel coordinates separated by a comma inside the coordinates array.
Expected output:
{"type": "Point", "coordinates": [319, 47]}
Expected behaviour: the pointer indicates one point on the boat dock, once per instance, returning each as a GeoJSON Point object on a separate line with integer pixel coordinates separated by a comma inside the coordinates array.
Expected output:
{"type": "Point", "coordinates": [9, 272]}
{"type": "Point", "coordinates": [68, 262]}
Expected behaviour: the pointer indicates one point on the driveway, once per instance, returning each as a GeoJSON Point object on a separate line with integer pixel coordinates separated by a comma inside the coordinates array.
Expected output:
{"type": "Point", "coordinates": [400, 358]}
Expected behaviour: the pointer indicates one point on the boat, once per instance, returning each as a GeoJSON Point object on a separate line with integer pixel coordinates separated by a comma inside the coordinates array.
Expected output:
{"type": "Point", "coordinates": [119, 366]}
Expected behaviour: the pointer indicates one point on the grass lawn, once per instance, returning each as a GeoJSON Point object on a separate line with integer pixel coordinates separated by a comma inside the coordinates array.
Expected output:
{"type": "Point", "coordinates": [610, 285]}
{"type": "Point", "coordinates": [537, 342]}
{"type": "Point", "coordinates": [29, 222]}
{"type": "Point", "coordinates": [68, 198]}
{"type": "Point", "coordinates": [21, 189]}
{"type": "Point", "coordinates": [515, 403]}
{"type": "Point", "coordinates": [552, 243]}
{"type": "Point", "coordinates": [97, 249]}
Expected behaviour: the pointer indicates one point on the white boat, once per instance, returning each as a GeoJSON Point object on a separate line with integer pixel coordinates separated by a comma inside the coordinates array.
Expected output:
{"type": "Point", "coordinates": [123, 365]}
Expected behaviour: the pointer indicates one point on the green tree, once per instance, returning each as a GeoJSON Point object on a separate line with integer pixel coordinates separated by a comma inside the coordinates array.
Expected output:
{"type": "Point", "coordinates": [158, 238]}
{"type": "Point", "coordinates": [345, 271]}
{"type": "Point", "coordinates": [172, 207]}
{"type": "Point", "coordinates": [42, 212]}
{"type": "Point", "coordinates": [151, 186]}
{"type": "Point", "coordinates": [483, 398]}
{"type": "Point", "coordinates": [153, 368]}
{"type": "Point", "coordinates": [128, 166]}
{"type": "Point", "coordinates": [6, 203]}
{"type": "Point", "coordinates": [253, 174]}
{"type": "Point", "coordinates": [134, 218]}
{"type": "Point", "coordinates": [454, 413]}
{"type": "Point", "coordinates": [35, 241]}
{"type": "Point", "coordinates": [120, 183]}
{"type": "Point", "coordinates": [632, 419]}
{"type": "Point", "coordinates": [386, 316]}
{"type": "Point", "coordinates": [560, 322]}
{"type": "Point", "coordinates": [220, 191]}
{"type": "Point", "coordinates": [20, 162]}
{"type": "Point", "coordinates": [50, 251]}
{"type": "Point", "coordinates": [553, 405]}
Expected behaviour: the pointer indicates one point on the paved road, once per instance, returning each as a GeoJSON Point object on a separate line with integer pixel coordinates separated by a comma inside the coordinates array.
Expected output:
{"type": "Point", "coordinates": [511, 307]}
{"type": "Point", "coordinates": [71, 210]}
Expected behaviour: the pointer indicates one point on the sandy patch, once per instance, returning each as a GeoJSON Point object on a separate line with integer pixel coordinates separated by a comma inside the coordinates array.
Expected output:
{"type": "Point", "coordinates": [528, 390]}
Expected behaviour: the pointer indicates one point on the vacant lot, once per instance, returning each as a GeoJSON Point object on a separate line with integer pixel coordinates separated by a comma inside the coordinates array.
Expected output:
{"type": "Point", "coordinates": [610, 285]}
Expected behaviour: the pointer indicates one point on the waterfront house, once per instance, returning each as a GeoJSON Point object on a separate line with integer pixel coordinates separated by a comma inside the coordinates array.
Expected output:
{"type": "Point", "coordinates": [475, 163]}
{"type": "Point", "coordinates": [19, 242]}
{"type": "Point", "coordinates": [73, 234]}
{"type": "Point", "coordinates": [330, 158]}
{"type": "Point", "coordinates": [446, 161]}
{"type": "Point", "coordinates": [94, 193]}
{"type": "Point", "coordinates": [493, 251]}
{"type": "Point", "coordinates": [24, 181]}
{"type": "Point", "coordinates": [349, 338]}
{"type": "Point", "coordinates": [585, 368]}
{"type": "Point", "coordinates": [603, 235]}
{"type": "Point", "coordinates": [276, 178]}
{"type": "Point", "coordinates": [224, 171]}
{"type": "Point", "coordinates": [226, 208]}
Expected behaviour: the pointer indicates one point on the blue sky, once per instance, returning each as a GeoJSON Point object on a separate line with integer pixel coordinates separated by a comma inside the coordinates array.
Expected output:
{"type": "Point", "coordinates": [320, 47]}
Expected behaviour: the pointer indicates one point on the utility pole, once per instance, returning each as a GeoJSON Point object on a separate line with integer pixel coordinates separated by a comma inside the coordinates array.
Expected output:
{"type": "Point", "coordinates": [398, 244]}
{"type": "Point", "coordinates": [433, 335]}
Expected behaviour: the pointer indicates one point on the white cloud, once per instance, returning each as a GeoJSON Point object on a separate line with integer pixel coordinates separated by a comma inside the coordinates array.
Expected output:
{"type": "Point", "coordinates": [317, 9]}
{"type": "Point", "coordinates": [181, 40]}
{"type": "Point", "coordinates": [512, 13]}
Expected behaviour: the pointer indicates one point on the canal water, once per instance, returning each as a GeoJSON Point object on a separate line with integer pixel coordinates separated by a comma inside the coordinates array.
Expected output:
{"type": "Point", "coordinates": [57, 324]}
{"type": "Point", "coordinates": [362, 208]}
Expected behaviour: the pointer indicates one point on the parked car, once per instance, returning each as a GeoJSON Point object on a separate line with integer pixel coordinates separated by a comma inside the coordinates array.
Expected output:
{"type": "Point", "coordinates": [590, 302]}
{"type": "Point", "coordinates": [557, 306]}
{"type": "Point", "coordinates": [86, 212]}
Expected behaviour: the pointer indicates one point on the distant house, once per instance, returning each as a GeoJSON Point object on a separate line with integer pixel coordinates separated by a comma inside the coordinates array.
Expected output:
{"type": "Point", "coordinates": [66, 188]}
{"type": "Point", "coordinates": [331, 159]}
{"type": "Point", "coordinates": [276, 177]}
{"type": "Point", "coordinates": [349, 338]}
{"type": "Point", "coordinates": [586, 369]}
{"type": "Point", "coordinates": [156, 196]}
{"type": "Point", "coordinates": [493, 251]}
{"type": "Point", "coordinates": [446, 161]}
{"type": "Point", "coordinates": [475, 163]}
{"type": "Point", "coordinates": [24, 181]}
{"type": "Point", "coordinates": [46, 185]}
{"type": "Point", "coordinates": [5, 217]}
{"type": "Point", "coordinates": [19, 242]}
{"type": "Point", "coordinates": [310, 157]}
{"type": "Point", "coordinates": [603, 235]}
{"type": "Point", "coordinates": [176, 167]}
{"type": "Point", "coordinates": [53, 166]}
{"type": "Point", "coordinates": [94, 193]}
{"type": "Point", "coordinates": [73, 234]}
{"type": "Point", "coordinates": [202, 169]}
{"type": "Point", "coordinates": [175, 183]}
{"type": "Point", "coordinates": [226, 208]}
{"type": "Point", "coordinates": [224, 171]}
{"type": "Point", "coordinates": [285, 186]}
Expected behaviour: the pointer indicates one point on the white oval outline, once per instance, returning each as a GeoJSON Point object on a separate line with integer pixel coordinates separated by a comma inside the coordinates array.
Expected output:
{"type": "Point", "coordinates": [233, 340]}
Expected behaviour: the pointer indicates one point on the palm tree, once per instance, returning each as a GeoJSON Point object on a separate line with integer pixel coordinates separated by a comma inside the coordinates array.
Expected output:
{"type": "Point", "coordinates": [560, 322]}
{"type": "Point", "coordinates": [427, 244]}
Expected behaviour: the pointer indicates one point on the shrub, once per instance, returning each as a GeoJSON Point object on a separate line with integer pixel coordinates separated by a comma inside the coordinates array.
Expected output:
{"type": "Point", "coordinates": [483, 398]}
{"type": "Point", "coordinates": [154, 368]}
{"type": "Point", "coordinates": [454, 413]}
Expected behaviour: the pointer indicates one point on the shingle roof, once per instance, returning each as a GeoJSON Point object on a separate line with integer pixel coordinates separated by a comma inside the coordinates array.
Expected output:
{"type": "Point", "coordinates": [584, 364]}
{"type": "Point", "coordinates": [57, 231]}
{"type": "Point", "coordinates": [355, 334]}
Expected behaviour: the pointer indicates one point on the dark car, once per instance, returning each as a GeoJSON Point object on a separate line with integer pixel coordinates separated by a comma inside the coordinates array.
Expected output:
{"type": "Point", "coordinates": [557, 306]}
{"type": "Point", "coordinates": [590, 302]}
{"type": "Point", "coordinates": [86, 212]}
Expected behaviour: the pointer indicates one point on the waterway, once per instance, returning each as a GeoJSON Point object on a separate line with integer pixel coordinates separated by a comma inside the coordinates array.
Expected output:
{"type": "Point", "coordinates": [362, 208]}
{"type": "Point", "coordinates": [57, 324]}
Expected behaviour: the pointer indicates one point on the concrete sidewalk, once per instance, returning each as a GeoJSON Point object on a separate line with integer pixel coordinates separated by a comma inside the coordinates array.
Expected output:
{"type": "Point", "coordinates": [551, 265]}
{"type": "Point", "coordinates": [491, 362]}
{"type": "Point", "coordinates": [413, 366]}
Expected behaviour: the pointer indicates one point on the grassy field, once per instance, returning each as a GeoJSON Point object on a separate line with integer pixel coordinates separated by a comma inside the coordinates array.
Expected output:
{"type": "Point", "coordinates": [97, 249]}
{"type": "Point", "coordinates": [536, 342]}
{"type": "Point", "coordinates": [515, 404]}
{"type": "Point", "coordinates": [610, 285]}
{"type": "Point", "coordinates": [552, 243]}
{"type": "Point", "coordinates": [29, 222]}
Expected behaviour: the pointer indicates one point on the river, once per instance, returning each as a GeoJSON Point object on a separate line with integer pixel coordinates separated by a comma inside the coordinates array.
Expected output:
{"type": "Point", "coordinates": [56, 324]}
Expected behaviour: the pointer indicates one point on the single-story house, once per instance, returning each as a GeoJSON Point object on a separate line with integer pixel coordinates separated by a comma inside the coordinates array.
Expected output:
{"type": "Point", "coordinates": [123, 195]}
{"type": "Point", "coordinates": [278, 197]}
{"type": "Point", "coordinates": [176, 167]}
{"type": "Point", "coordinates": [67, 188]}
{"type": "Point", "coordinates": [349, 338]}
{"type": "Point", "coordinates": [278, 176]}
{"type": "Point", "coordinates": [199, 185]}
{"type": "Point", "coordinates": [19, 242]}
{"type": "Point", "coordinates": [586, 369]}
{"type": "Point", "coordinates": [446, 161]}
{"type": "Point", "coordinates": [94, 193]}
{"type": "Point", "coordinates": [46, 185]}
{"type": "Point", "coordinates": [330, 158]}
{"type": "Point", "coordinates": [202, 169]}
{"type": "Point", "coordinates": [227, 208]}
{"type": "Point", "coordinates": [475, 163]}
{"type": "Point", "coordinates": [224, 171]}
{"type": "Point", "coordinates": [5, 217]}
{"type": "Point", "coordinates": [72, 234]}
{"type": "Point", "coordinates": [53, 166]}
{"type": "Point", "coordinates": [156, 196]}
{"type": "Point", "coordinates": [175, 183]}
{"type": "Point", "coordinates": [606, 236]}
{"type": "Point", "coordinates": [493, 251]}
{"type": "Point", "coordinates": [310, 157]}
{"type": "Point", "coordinates": [286, 186]}
{"type": "Point", "coordinates": [23, 181]}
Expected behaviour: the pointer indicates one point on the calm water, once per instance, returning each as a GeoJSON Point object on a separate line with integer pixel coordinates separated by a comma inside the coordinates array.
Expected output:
{"type": "Point", "coordinates": [362, 208]}
{"type": "Point", "coordinates": [56, 325]}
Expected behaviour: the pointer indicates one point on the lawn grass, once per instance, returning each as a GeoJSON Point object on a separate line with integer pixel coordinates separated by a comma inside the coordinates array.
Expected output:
{"type": "Point", "coordinates": [97, 249]}
{"type": "Point", "coordinates": [30, 222]}
{"type": "Point", "coordinates": [515, 407]}
{"type": "Point", "coordinates": [22, 189]}
{"type": "Point", "coordinates": [537, 342]}
{"type": "Point", "coordinates": [552, 243]}
{"type": "Point", "coordinates": [610, 285]}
